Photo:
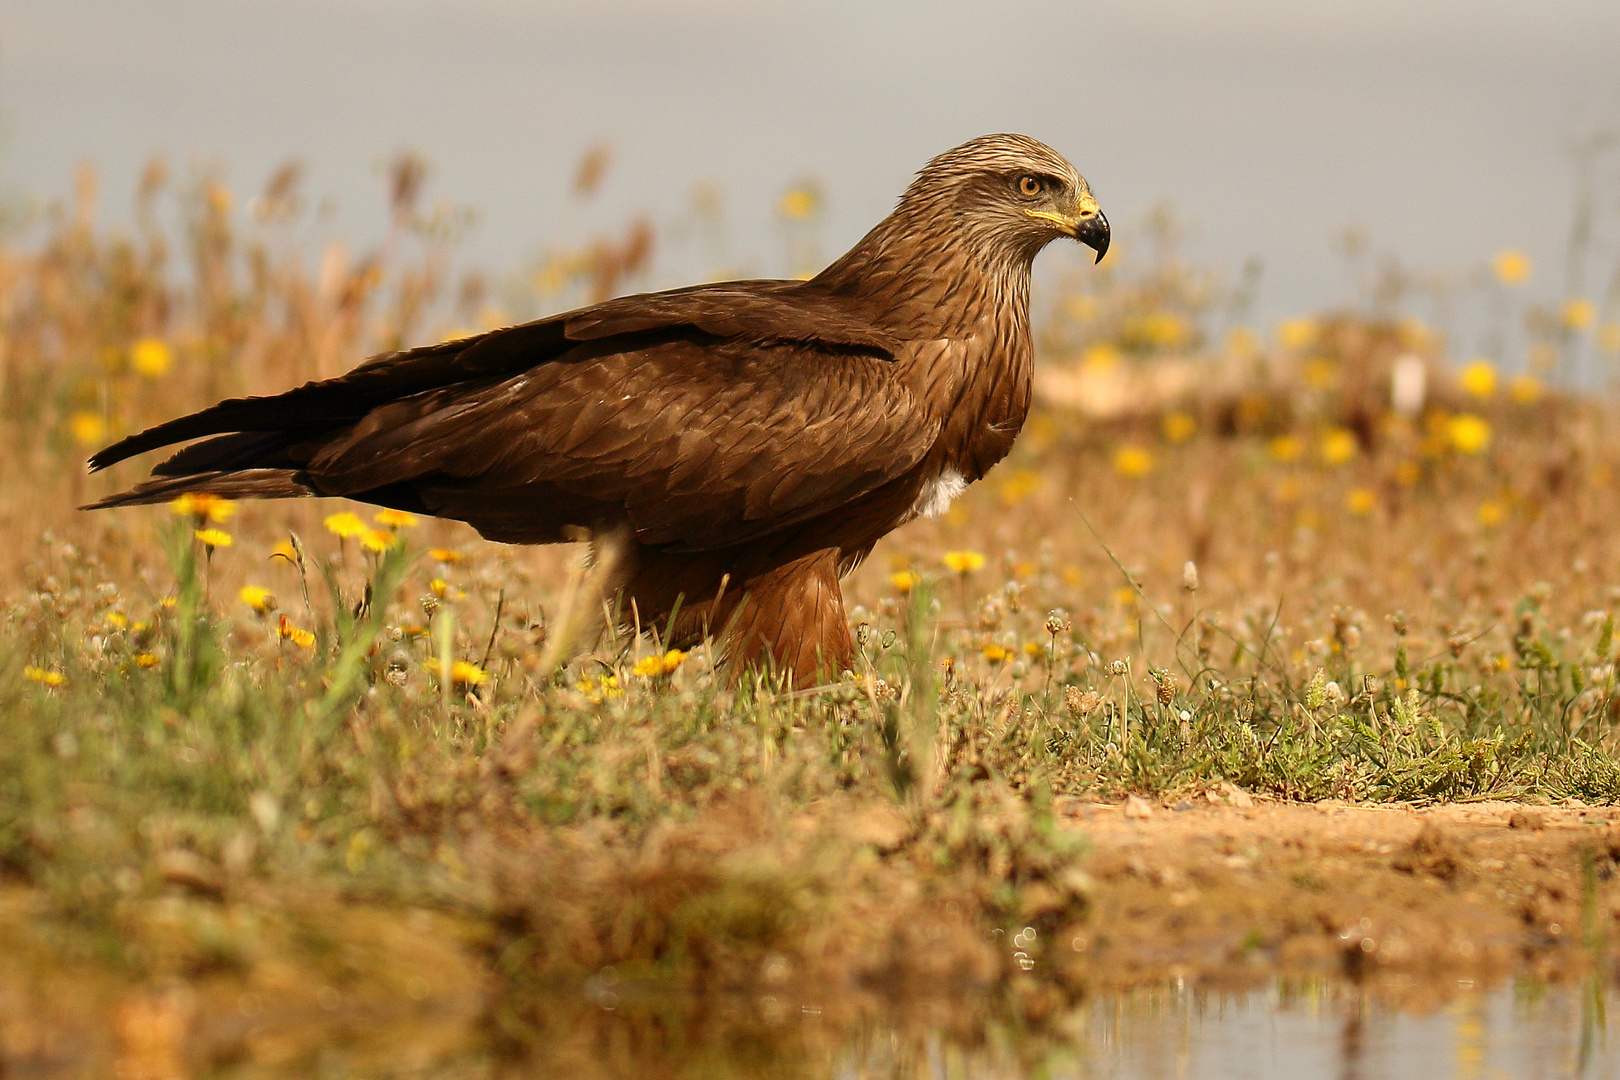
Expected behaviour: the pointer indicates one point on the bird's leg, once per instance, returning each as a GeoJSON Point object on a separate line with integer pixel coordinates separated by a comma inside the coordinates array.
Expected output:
{"type": "Point", "coordinates": [795, 615]}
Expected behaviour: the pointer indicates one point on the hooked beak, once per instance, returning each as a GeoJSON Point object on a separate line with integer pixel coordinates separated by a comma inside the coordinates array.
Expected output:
{"type": "Point", "coordinates": [1092, 231]}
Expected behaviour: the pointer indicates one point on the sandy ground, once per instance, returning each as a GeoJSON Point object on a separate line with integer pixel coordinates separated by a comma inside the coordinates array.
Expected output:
{"type": "Point", "coordinates": [1218, 892]}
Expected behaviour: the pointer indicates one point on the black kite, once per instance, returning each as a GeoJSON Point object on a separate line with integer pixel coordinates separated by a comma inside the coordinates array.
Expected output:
{"type": "Point", "coordinates": [750, 440]}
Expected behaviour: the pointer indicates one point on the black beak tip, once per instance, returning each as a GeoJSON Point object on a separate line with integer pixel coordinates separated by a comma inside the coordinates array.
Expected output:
{"type": "Point", "coordinates": [1094, 233]}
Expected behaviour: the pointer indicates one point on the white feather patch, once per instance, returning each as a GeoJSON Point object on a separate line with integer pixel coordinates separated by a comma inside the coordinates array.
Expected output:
{"type": "Point", "coordinates": [936, 497]}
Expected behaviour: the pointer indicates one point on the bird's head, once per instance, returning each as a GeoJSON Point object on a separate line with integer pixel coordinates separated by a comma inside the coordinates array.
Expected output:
{"type": "Point", "coordinates": [1011, 195]}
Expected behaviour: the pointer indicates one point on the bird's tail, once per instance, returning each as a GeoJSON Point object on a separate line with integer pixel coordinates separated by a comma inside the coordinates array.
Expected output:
{"type": "Point", "coordinates": [234, 484]}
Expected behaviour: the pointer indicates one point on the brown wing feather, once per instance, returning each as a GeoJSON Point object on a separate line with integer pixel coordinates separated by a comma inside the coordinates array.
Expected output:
{"type": "Point", "coordinates": [747, 311]}
{"type": "Point", "coordinates": [693, 446]}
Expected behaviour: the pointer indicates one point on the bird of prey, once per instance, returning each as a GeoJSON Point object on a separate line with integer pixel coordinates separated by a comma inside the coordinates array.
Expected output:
{"type": "Point", "coordinates": [745, 444]}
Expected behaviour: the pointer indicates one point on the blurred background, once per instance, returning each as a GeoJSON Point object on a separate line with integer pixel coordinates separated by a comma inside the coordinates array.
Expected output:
{"type": "Point", "coordinates": [1280, 135]}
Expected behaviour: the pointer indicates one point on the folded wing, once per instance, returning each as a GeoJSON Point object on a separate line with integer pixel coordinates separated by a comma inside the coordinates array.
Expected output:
{"type": "Point", "coordinates": [699, 419]}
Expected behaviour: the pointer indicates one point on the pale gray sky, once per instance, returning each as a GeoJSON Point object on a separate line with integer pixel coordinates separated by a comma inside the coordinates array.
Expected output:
{"type": "Point", "coordinates": [1442, 125]}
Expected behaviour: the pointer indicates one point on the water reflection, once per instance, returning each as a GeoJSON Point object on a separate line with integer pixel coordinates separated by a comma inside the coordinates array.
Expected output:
{"type": "Point", "coordinates": [1290, 1030]}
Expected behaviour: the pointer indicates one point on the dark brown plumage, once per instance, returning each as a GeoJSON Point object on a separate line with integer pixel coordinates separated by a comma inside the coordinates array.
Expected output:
{"type": "Point", "coordinates": [749, 441]}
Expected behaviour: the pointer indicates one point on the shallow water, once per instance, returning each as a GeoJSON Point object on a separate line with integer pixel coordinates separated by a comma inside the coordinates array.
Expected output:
{"type": "Point", "coordinates": [1288, 1030]}
{"type": "Point", "coordinates": [1513, 1031]}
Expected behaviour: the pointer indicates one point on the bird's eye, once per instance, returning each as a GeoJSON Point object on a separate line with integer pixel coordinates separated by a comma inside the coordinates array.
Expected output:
{"type": "Point", "coordinates": [1028, 186]}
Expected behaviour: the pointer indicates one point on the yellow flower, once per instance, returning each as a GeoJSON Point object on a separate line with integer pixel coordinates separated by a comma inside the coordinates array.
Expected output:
{"type": "Point", "coordinates": [151, 358]}
{"type": "Point", "coordinates": [1321, 374]}
{"type": "Point", "coordinates": [1525, 389]}
{"type": "Point", "coordinates": [651, 667]}
{"type": "Point", "coordinates": [1285, 448]}
{"type": "Point", "coordinates": [963, 562]}
{"type": "Point", "coordinates": [1577, 314]}
{"type": "Point", "coordinates": [1512, 267]}
{"type": "Point", "coordinates": [1034, 649]}
{"type": "Point", "coordinates": [1468, 434]}
{"type": "Point", "coordinates": [1479, 379]}
{"type": "Point", "coordinates": [378, 540]}
{"type": "Point", "coordinates": [117, 620]}
{"type": "Point", "coordinates": [346, 525]}
{"type": "Point", "coordinates": [300, 637]}
{"type": "Point", "coordinates": [798, 203]}
{"type": "Point", "coordinates": [445, 555]}
{"type": "Point", "coordinates": [1491, 514]}
{"type": "Point", "coordinates": [257, 598]}
{"type": "Point", "coordinates": [1101, 356]}
{"type": "Point", "coordinates": [904, 581]}
{"type": "Point", "coordinates": [1296, 333]}
{"type": "Point", "coordinates": [284, 550]}
{"type": "Point", "coordinates": [1241, 342]}
{"type": "Point", "coordinates": [204, 507]}
{"type": "Point", "coordinates": [146, 660]}
{"type": "Point", "coordinates": [1133, 461]}
{"type": "Point", "coordinates": [1338, 446]}
{"type": "Point", "coordinates": [87, 428]}
{"type": "Point", "coordinates": [600, 688]}
{"type": "Point", "coordinates": [1408, 473]}
{"type": "Point", "coordinates": [395, 519]}
{"type": "Point", "coordinates": [1178, 427]}
{"type": "Point", "coordinates": [1019, 485]}
{"type": "Point", "coordinates": [438, 586]}
{"type": "Point", "coordinates": [995, 653]}
{"type": "Point", "coordinates": [41, 675]}
{"type": "Point", "coordinates": [1609, 337]}
{"type": "Point", "coordinates": [465, 674]}
{"type": "Point", "coordinates": [1361, 502]}
{"type": "Point", "coordinates": [213, 538]}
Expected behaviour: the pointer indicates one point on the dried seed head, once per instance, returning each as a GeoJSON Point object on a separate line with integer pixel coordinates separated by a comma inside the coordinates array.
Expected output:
{"type": "Point", "coordinates": [1189, 576]}
{"type": "Point", "coordinates": [1080, 702]}
{"type": "Point", "coordinates": [1057, 622]}
{"type": "Point", "coordinates": [1118, 667]}
{"type": "Point", "coordinates": [1164, 683]}
{"type": "Point", "coordinates": [1316, 692]}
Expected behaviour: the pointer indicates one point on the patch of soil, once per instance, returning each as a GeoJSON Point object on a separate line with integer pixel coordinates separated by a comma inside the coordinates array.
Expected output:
{"type": "Point", "coordinates": [1220, 892]}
